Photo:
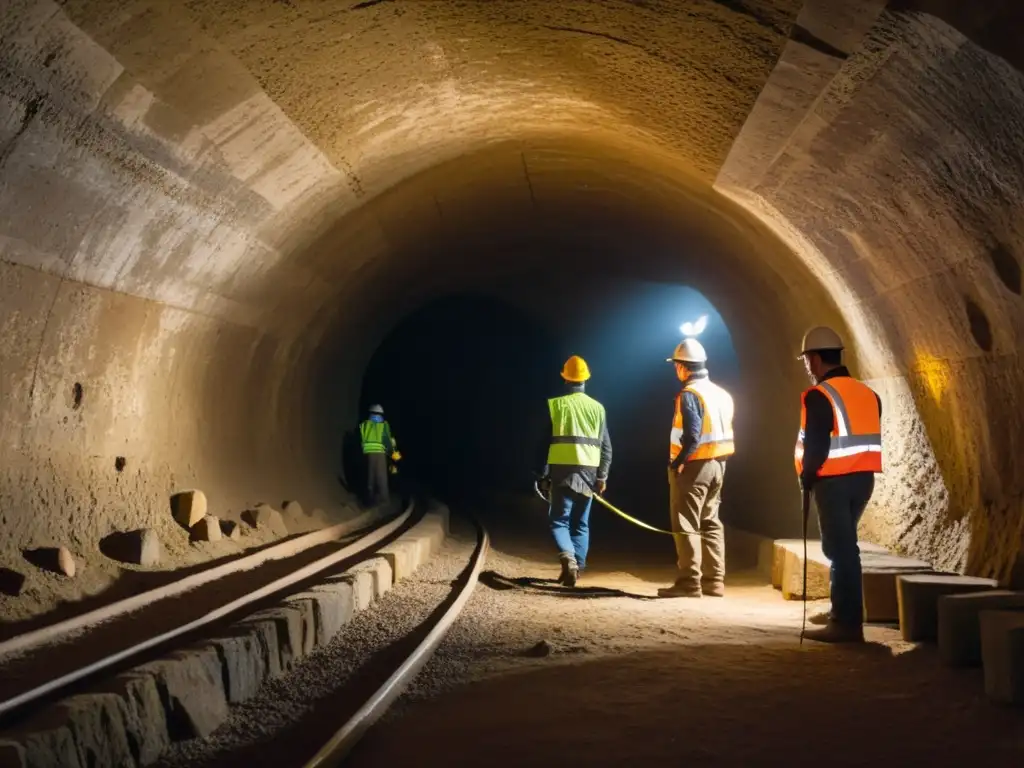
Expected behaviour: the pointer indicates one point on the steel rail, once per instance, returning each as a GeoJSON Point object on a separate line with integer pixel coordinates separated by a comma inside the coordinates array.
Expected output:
{"type": "Point", "coordinates": [339, 746]}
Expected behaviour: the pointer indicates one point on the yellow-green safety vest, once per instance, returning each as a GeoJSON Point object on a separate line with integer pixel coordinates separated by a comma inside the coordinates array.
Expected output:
{"type": "Point", "coordinates": [577, 421]}
{"type": "Point", "coordinates": [372, 434]}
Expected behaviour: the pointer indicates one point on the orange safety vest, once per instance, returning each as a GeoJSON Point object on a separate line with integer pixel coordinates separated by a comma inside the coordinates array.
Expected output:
{"type": "Point", "coordinates": [856, 440]}
{"type": "Point", "coordinates": [716, 436]}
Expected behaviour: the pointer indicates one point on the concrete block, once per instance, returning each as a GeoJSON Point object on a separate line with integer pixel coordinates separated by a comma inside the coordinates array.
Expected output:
{"type": "Point", "coordinates": [361, 583]}
{"type": "Point", "coordinates": [99, 727]}
{"type": "Point", "coordinates": [245, 665]}
{"type": "Point", "coordinates": [229, 529]}
{"type": "Point", "coordinates": [818, 578]}
{"type": "Point", "coordinates": [381, 572]}
{"type": "Point", "coordinates": [191, 685]}
{"type": "Point", "coordinates": [442, 513]}
{"type": "Point", "coordinates": [431, 533]}
{"type": "Point", "coordinates": [333, 605]}
{"type": "Point", "coordinates": [141, 547]}
{"type": "Point", "coordinates": [918, 596]}
{"type": "Point", "coordinates": [146, 724]}
{"type": "Point", "coordinates": [1002, 653]}
{"type": "Point", "coordinates": [402, 556]}
{"type": "Point", "coordinates": [207, 529]}
{"type": "Point", "coordinates": [288, 623]}
{"type": "Point", "coordinates": [960, 623]}
{"type": "Point", "coordinates": [57, 560]}
{"type": "Point", "coordinates": [188, 507]}
{"type": "Point", "coordinates": [881, 604]}
{"type": "Point", "coordinates": [307, 613]}
{"type": "Point", "coordinates": [46, 742]}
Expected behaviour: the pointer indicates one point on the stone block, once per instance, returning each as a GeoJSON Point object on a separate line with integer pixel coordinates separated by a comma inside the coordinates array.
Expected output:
{"type": "Point", "coordinates": [231, 530]}
{"type": "Point", "coordinates": [141, 547]}
{"type": "Point", "coordinates": [188, 507]}
{"type": "Point", "coordinates": [442, 512]}
{"type": "Point", "coordinates": [245, 665]}
{"type": "Point", "coordinates": [881, 604]}
{"type": "Point", "coordinates": [12, 755]}
{"type": "Point", "coordinates": [207, 529]}
{"type": "Point", "coordinates": [47, 742]}
{"type": "Point", "coordinates": [146, 720]}
{"type": "Point", "coordinates": [1002, 654]}
{"type": "Point", "coordinates": [430, 533]}
{"type": "Point", "coordinates": [265, 517]}
{"type": "Point", "coordinates": [401, 555]}
{"type": "Point", "coordinates": [99, 727]}
{"type": "Point", "coordinates": [382, 575]}
{"type": "Point", "coordinates": [264, 631]}
{"type": "Point", "coordinates": [292, 508]}
{"type": "Point", "coordinates": [362, 584]}
{"type": "Point", "coordinates": [57, 560]}
{"type": "Point", "coordinates": [307, 613]}
{"type": "Point", "coordinates": [918, 596]}
{"type": "Point", "coordinates": [335, 609]}
{"type": "Point", "coordinates": [288, 623]}
{"type": "Point", "coordinates": [191, 685]}
{"type": "Point", "coordinates": [818, 578]}
{"type": "Point", "coordinates": [960, 624]}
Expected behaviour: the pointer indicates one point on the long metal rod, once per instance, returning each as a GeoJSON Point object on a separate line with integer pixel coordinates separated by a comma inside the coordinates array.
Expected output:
{"type": "Point", "coordinates": [218, 613]}
{"type": "Point", "coordinates": [335, 751]}
{"type": "Point", "coordinates": [63, 630]}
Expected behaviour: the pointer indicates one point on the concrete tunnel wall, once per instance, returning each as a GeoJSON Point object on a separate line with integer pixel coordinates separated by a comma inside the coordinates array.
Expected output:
{"type": "Point", "coordinates": [211, 213]}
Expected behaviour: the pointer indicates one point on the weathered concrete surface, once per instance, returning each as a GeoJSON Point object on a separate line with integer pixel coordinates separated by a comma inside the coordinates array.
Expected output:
{"type": "Point", "coordinates": [191, 686]}
{"type": "Point", "coordinates": [374, 577]}
{"type": "Point", "coordinates": [919, 595]}
{"type": "Point", "coordinates": [245, 665]}
{"type": "Point", "coordinates": [1002, 650]}
{"type": "Point", "coordinates": [205, 233]}
{"type": "Point", "coordinates": [960, 626]}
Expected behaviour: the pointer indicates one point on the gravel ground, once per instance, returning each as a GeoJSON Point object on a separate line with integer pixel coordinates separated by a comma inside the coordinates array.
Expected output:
{"type": "Point", "coordinates": [609, 675]}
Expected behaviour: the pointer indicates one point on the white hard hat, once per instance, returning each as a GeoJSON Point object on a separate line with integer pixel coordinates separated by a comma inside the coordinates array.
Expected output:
{"type": "Point", "coordinates": [689, 351]}
{"type": "Point", "coordinates": [377, 409]}
{"type": "Point", "coordinates": [820, 338]}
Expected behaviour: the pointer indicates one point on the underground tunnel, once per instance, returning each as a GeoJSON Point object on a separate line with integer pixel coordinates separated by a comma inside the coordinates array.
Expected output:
{"type": "Point", "coordinates": [227, 227]}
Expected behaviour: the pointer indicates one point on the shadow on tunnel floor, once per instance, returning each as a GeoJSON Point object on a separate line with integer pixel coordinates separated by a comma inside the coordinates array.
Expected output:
{"type": "Point", "coordinates": [501, 583]}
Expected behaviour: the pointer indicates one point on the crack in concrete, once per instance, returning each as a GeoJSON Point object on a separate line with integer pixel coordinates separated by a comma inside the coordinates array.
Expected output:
{"type": "Point", "coordinates": [605, 35]}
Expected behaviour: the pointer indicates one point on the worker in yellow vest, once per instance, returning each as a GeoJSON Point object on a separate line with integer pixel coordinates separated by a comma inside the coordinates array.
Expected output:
{"type": "Point", "coordinates": [378, 443]}
{"type": "Point", "coordinates": [700, 442]}
{"type": "Point", "coordinates": [578, 454]}
{"type": "Point", "coordinates": [838, 451]}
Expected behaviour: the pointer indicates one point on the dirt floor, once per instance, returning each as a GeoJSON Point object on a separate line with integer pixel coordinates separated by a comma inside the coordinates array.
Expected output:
{"type": "Point", "coordinates": [635, 680]}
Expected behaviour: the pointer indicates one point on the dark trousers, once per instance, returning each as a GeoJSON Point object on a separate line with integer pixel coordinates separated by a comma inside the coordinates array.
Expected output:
{"type": "Point", "coordinates": [377, 479]}
{"type": "Point", "coordinates": [840, 502]}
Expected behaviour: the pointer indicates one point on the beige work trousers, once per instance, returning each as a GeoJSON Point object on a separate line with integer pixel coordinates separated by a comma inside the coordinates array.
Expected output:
{"type": "Point", "coordinates": [694, 497]}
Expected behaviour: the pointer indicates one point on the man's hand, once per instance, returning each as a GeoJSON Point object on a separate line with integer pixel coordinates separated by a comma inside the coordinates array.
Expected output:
{"type": "Point", "coordinates": [679, 467]}
{"type": "Point", "coordinates": [600, 486]}
{"type": "Point", "coordinates": [544, 485]}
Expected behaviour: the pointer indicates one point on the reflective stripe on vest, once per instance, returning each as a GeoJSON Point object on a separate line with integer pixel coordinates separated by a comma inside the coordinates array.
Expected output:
{"type": "Point", "coordinates": [855, 444]}
{"type": "Point", "coordinates": [372, 435]}
{"type": "Point", "coordinates": [717, 439]}
{"type": "Point", "coordinates": [577, 421]}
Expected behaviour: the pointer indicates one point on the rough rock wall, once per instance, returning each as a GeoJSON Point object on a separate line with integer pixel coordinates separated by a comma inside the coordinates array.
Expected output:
{"type": "Point", "coordinates": [894, 168]}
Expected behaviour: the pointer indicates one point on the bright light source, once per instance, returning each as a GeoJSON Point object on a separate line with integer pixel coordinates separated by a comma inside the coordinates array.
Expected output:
{"type": "Point", "coordinates": [691, 330]}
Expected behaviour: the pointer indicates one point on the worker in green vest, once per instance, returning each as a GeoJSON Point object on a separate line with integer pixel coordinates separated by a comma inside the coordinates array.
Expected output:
{"type": "Point", "coordinates": [378, 443]}
{"type": "Point", "coordinates": [579, 455]}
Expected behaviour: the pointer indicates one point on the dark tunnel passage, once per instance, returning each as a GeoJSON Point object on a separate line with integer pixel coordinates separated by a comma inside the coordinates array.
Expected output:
{"type": "Point", "coordinates": [219, 221]}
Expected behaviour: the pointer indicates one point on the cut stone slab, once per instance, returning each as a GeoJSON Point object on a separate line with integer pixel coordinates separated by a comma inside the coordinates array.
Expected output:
{"type": "Point", "coordinates": [881, 604]}
{"type": "Point", "coordinates": [99, 727]}
{"type": "Point", "coordinates": [207, 529]}
{"type": "Point", "coordinates": [145, 720]}
{"type": "Point", "coordinates": [48, 747]}
{"type": "Point", "coordinates": [361, 583]}
{"type": "Point", "coordinates": [188, 507]}
{"type": "Point", "coordinates": [1002, 653]}
{"type": "Point", "coordinates": [191, 685]}
{"type": "Point", "coordinates": [245, 665]}
{"type": "Point", "coordinates": [265, 632]}
{"type": "Point", "coordinates": [265, 517]}
{"type": "Point", "coordinates": [307, 611]}
{"type": "Point", "coordinates": [335, 606]}
{"type": "Point", "coordinates": [402, 556]}
{"type": "Point", "coordinates": [919, 594]}
{"type": "Point", "coordinates": [382, 576]}
{"type": "Point", "coordinates": [960, 623]}
{"type": "Point", "coordinates": [430, 534]}
{"type": "Point", "coordinates": [230, 530]}
{"type": "Point", "coordinates": [787, 567]}
{"type": "Point", "coordinates": [288, 624]}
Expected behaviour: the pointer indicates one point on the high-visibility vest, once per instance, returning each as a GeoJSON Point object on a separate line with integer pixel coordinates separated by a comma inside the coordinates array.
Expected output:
{"type": "Point", "coordinates": [855, 444]}
{"type": "Point", "coordinates": [372, 434]}
{"type": "Point", "coordinates": [577, 421]}
{"type": "Point", "coordinates": [716, 435]}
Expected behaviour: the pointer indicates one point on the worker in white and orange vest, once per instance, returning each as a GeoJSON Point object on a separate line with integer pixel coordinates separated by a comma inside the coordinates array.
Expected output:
{"type": "Point", "coordinates": [701, 441]}
{"type": "Point", "coordinates": [838, 451]}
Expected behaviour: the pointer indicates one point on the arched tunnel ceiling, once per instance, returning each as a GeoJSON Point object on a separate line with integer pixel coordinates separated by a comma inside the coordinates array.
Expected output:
{"type": "Point", "coordinates": [208, 207]}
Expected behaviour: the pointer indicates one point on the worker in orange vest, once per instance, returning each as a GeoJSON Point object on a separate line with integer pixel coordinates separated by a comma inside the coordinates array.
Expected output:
{"type": "Point", "coordinates": [700, 442]}
{"type": "Point", "coordinates": [838, 451]}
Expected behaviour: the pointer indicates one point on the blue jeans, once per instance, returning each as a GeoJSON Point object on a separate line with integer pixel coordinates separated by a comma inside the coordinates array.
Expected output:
{"type": "Point", "coordinates": [569, 515]}
{"type": "Point", "coordinates": [840, 503]}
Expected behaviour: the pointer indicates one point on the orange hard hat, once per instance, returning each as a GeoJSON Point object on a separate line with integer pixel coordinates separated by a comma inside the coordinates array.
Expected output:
{"type": "Point", "coordinates": [575, 370]}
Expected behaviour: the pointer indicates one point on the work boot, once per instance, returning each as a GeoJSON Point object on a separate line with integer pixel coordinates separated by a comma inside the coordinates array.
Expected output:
{"type": "Point", "coordinates": [820, 619]}
{"type": "Point", "coordinates": [570, 571]}
{"type": "Point", "coordinates": [833, 632]}
{"type": "Point", "coordinates": [713, 589]}
{"type": "Point", "coordinates": [680, 589]}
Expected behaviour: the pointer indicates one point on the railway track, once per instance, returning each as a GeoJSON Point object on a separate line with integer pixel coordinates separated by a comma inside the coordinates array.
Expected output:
{"type": "Point", "coordinates": [46, 671]}
{"type": "Point", "coordinates": [40, 666]}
